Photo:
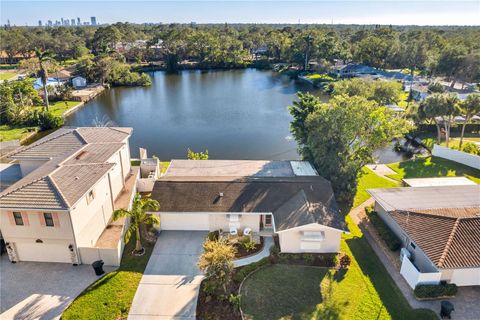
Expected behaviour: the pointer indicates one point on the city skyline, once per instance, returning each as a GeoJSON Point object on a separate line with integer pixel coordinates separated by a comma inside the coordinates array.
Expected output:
{"type": "Point", "coordinates": [427, 12]}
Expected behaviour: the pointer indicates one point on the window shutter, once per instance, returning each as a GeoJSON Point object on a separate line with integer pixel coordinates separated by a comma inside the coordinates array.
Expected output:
{"type": "Point", "coordinates": [26, 222]}
{"type": "Point", "coordinates": [41, 218]}
{"type": "Point", "coordinates": [11, 218]}
{"type": "Point", "coordinates": [56, 220]}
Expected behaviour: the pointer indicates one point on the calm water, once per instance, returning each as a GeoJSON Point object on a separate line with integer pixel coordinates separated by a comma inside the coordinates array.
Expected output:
{"type": "Point", "coordinates": [240, 114]}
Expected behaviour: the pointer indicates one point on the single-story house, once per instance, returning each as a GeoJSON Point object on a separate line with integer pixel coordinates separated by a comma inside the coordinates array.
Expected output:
{"type": "Point", "coordinates": [267, 197]}
{"type": "Point", "coordinates": [79, 82]}
{"type": "Point", "coordinates": [439, 228]}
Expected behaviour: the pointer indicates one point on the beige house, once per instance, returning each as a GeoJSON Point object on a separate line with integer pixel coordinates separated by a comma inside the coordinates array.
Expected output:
{"type": "Point", "coordinates": [70, 183]}
{"type": "Point", "coordinates": [440, 231]}
{"type": "Point", "coordinates": [286, 198]}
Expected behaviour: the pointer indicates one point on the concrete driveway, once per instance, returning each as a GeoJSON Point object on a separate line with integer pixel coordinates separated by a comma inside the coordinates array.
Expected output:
{"type": "Point", "coordinates": [40, 290]}
{"type": "Point", "coordinates": [171, 282]}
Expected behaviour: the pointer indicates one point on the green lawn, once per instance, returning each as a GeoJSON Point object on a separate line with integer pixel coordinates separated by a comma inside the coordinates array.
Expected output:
{"type": "Point", "coordinates": [364, 291]}
{"type": "Point", "coordinates": [7, 75]}
{"type": "Point", "coordinates": [112, 295]}
{"type": "Point", "coordinates": [432, 167]}
{"type": "Point", "coordinates": [370, 180]}
{"type": "Point", "coordinates": [59, 107]}
{"type": "Point", "coordinates": [164, 166]}
{"type": "Point", "coordinates": [8, 133]}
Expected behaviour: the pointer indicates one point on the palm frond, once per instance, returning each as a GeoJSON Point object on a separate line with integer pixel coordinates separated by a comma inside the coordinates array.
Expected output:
{"type": "Point", "coordinates": [152, 219]}
{"type": "Point", "coordinates": [120, 213]}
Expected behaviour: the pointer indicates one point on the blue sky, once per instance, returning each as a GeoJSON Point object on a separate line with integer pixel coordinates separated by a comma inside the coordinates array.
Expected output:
{"type": "Point", "coordinates": [418, 12]}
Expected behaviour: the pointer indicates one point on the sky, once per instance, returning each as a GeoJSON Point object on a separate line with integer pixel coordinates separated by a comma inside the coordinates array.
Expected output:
{"type": "Point", "coordinates": [401, 12]}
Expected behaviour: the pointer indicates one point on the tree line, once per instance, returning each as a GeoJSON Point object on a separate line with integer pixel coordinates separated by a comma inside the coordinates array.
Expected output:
{"type": "Point", "coordinates": [453, 52]}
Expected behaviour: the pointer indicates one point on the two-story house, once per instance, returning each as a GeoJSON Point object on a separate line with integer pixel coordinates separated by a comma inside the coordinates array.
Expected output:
{"type": "Point", "coordinates": [60, 210]}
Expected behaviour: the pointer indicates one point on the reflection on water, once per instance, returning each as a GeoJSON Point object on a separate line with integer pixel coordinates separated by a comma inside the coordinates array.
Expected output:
{"type": "Point", "coordinates": [238, 114]}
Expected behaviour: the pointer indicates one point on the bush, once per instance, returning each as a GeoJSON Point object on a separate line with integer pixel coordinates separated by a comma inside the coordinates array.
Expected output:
{"type": "Point", "coordinates": [345, 261]}
{"type": "Point", "coordinates": [435, 290]}
{"type": "Point", "coordinates": [274, 250]}
{"type": "Point", "coordinates": [234, 299]}
{"type": "Point", "coordinates": [309, 258]}
{"type": "Point", "coordinates": [248, 244]}
{"type": "Point", "coordinates": [47, 121]}
{"type": "Point", "coordinates": [214, 235]}
{"type": "Point", "coordinates": [383, 230]}
{"type": "Point", "coordinates": [470, 147]}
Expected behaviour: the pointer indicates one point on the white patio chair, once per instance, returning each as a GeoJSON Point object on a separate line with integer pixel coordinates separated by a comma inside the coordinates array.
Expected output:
{"type": "Point", "coordinates": [233, 231]}
{"type": "Point", "coordinates": [247, 231]}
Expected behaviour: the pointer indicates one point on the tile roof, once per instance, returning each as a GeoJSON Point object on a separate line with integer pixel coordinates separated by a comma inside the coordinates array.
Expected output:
{"type": "Point", "coordinates": [75, 159]}
{"type": "Point", "coordinates": [294, 201]}
{"type": "Point", "coordinates": [449, 237]}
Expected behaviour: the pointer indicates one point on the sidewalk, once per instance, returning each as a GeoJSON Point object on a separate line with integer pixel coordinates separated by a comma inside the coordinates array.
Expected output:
{"type": "Point", "coordinates": [258, 256]}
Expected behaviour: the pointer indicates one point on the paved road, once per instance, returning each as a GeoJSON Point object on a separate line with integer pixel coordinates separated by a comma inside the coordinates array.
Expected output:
{"type": "Point", "coordinates": [40, 290]}
{"type": "Point", "coordinates": [171, 281]}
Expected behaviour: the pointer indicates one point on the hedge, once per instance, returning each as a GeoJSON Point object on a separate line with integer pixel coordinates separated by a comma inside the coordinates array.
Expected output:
{"type": "Point", "coordinates": [435, 290]}
{"type": "Point", "coordinates": [246, 270]}
{"type": "Point", "coordinates": [383, 230]}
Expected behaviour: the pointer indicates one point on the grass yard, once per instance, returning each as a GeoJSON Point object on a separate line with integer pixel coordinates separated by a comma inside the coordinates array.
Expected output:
{"type": "Point", "coordinates": [431, 167]}
{"type": "Point", "coordinates": [59, 107]}
{"type": "Point", "coordinates": [8, 133]}
{"type": "Point", "coordinates": [164, 166]}
{"type": "Point", "coordinates": [370, 180]}
{"type": "Point", "coordinates": [112, 295]}
{"type": "Point", "coordinates": [364, 291]}
{"type": "Point", "coordinates": [7, 75]}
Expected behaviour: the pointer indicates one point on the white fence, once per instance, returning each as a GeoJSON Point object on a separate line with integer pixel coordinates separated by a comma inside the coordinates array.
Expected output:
{"type": "Point", "coordinates": [414, 277]}
{"type": "Point", "coordinates": [110, 256]}
{"type": "Point", "coordinates": [457, 156]}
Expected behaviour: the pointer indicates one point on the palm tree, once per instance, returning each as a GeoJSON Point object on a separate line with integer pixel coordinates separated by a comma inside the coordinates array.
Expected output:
{"type": "Point", "coordinates": [138, 215]}
{"type": "Point", "coordinates": [44, 57]}
{"type": "Point", "coordinates": [469, 108]}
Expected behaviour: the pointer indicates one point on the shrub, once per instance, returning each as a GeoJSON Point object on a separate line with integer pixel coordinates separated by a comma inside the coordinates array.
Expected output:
{"type": "Point", "coordinates": [234, 299]}
{"type": "Point", "coordinates": [274, 250]}
{"type": "Point", "coordinates": [470, 147]}
{"type": "Point", "coordinates": [47, 121]}
{"type": "Point", "coordinates": [309, 258]}
{"type": "Point", "coordinates": [248, 244]}
{"type": "Point", "coordinates": [345, 261]}
{"type": "Point", "coordinates": [435, 290]}
{"type": "Point", "coordinates": [214, 235]}
{"type": "Point", "coordinates": [384, 231]}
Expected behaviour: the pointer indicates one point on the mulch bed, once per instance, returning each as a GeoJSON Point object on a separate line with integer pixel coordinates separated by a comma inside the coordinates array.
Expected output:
{"type": "Point", "coordinates": [241, 252]}
{"type": "Point", "coordinates": [208, 307]}
{"type": "Point", "coordinates": [305, 259]}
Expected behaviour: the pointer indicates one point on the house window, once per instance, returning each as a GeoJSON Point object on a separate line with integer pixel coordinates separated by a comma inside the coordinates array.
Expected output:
{"type": "Point", "coordinates": [18, 218]}
{"type": "Point", "coordinates": [413, 245]}
{"type": "Point", "coordinates": [48, 219]}
{"type": "Point", "coordinates": [268, 221]}
{"type": "Point", "coordinates": [90, 196]}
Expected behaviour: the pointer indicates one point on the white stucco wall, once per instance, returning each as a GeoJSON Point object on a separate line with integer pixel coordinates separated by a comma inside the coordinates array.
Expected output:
{"type": "Point", "coordinates": [208, 221]}
{"type": "Point", "coordinates": [462, 277]}
{"type": "Point", "coordinates": [90, 219]}
{"type": "Point", "coordinates": [55, 239]}
{"type": "Point", "coordinates": [415, 277]}
{"type": "Point", "coordinates": [290, 240]}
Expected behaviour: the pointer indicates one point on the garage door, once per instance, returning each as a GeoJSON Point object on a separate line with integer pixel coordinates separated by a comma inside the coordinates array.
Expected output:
{"type": "Point", "coordinates": [43, 252]}
{"type": "Point", "coordinates": [184, 221]}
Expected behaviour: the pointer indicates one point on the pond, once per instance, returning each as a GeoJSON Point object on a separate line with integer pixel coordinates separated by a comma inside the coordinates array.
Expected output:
{"type": "Point", "coordinates": [236, 114]}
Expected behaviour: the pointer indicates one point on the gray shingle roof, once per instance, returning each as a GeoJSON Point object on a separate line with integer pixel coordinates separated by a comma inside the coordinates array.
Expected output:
{"type": "Point", "coordinates": [75, 161]}
{"type": "Point", "coordinates": [294, 201]}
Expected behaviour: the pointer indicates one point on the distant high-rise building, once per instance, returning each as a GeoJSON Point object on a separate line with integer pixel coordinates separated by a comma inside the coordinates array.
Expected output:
{"type": "Point", "coordinates": [79, 23]}
{"type": "Point", "coordinates": [57, 23]}
{"type": "Point", "coordinates": [72, 22]}
{"type": "Point", "coordinates": [93, 21]}
{"type": "Point", "coordinates": [66, 22]}
{"type": "Point", "coordinates": [39, 23]}
{"type": "Point", "coordinates": [50, 23]}
{"type": "Point", "coordinates": [61, 20]}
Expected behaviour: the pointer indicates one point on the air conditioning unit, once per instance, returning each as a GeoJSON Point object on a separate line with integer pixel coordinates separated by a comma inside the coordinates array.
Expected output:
{"type": "Point", "coordinates": [404, 252]}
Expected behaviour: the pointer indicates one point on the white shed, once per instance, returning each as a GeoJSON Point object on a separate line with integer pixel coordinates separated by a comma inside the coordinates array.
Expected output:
{"type": "Point", "coordinates": [79, 82]}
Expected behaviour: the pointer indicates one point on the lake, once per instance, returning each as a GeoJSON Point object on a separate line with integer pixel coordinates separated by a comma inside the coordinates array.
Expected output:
{"type": "Point", "coordinates": [235, 114]}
